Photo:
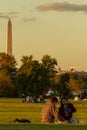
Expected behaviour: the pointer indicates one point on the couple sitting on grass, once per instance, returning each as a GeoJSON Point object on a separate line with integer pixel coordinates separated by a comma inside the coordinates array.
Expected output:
{"type": "Point", "coordinates": [63, 115]}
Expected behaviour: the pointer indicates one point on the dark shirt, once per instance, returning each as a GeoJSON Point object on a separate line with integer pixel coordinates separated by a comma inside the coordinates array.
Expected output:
{"type": "Point", "coordinates": [66, 112]}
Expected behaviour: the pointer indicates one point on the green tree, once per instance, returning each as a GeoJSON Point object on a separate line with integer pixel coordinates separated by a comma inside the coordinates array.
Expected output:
{"type": "Point", "coordinates": [49, 64]}
{"type": "Point", "coordinates": [49, 68]}
{"type": "Point", "coordinates": [62, 86]}
{"type": "Point", "coordinates": [30, 71]}
{"type": "Point", "coordinates": [38, 76]}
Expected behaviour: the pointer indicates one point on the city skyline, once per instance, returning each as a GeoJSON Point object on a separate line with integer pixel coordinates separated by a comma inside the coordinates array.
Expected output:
{"type": "Point", "coordinates": [54, 27]}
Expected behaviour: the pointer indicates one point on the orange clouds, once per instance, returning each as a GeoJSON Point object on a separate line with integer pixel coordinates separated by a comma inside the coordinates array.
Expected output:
{"type": "Point", "coordinates": [64, 6]}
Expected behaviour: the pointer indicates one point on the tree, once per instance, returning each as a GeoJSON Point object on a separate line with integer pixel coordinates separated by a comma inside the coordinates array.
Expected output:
{"type": "Point", "coordinates": [30, 71]}
{"type": "Point", "coordinates": [8, 72]}
{"type": "Point", "coordinates": [5, 84]}
{"type": "Point", "coordinates": [61, 82]}
{"type": "Point", "coordinates": [49, 70]}
{"type": "Point", "coordinates": [38, 76]}
{"type": "Point", "coordinates": [49, 64]}
{"type": "Point", "coordinates": [76, 84]}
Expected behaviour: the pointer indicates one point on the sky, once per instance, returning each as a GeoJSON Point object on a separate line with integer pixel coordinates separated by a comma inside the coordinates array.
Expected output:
{"type": "Point", "coordinates": [54, 27]}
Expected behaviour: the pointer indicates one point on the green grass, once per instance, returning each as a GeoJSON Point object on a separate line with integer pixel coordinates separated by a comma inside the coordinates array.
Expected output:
{"type": "Point", "coordinates": [14, 108]}
{"type": "Point", "coordinates": [11, 108]}
{"type": "Point", "coordinates": [42, 127]}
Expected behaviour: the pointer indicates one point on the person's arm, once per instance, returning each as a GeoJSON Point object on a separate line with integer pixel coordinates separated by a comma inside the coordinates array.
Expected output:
{"type": "Point", "coordinates": [73, 109]}
{"type": "Point", "coordinates": [54, 111]}
{"type": "Point", "coordinates": [60, 115]}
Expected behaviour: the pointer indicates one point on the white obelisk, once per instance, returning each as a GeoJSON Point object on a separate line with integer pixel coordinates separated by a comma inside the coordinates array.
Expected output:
{"type": "Point", "coordinates": [9, 38]}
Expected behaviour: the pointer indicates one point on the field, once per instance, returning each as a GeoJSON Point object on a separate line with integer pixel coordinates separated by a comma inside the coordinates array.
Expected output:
{"type": "Point", "coordinates": [11, 108]}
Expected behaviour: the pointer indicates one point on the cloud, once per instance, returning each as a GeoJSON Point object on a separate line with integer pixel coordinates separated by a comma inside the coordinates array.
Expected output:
{"type": "Point", "coordinates": [29, 19]}
{"type": "Point", "coordinates": [64, 6]}
{"type": "Point", "coordinates": [7, 15]}
{"type": "Point", "coordinates": [4, 15]}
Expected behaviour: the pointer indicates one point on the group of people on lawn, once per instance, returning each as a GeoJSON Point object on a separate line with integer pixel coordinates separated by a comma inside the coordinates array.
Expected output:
{"type": "Point", "coordinates": [33, 99]}
{"type": "Point", "coordinates": [64, 114]}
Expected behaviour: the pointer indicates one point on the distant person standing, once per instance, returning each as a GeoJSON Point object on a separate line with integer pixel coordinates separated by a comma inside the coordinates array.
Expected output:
{"type": "Point", "coordinates": [49, 112]}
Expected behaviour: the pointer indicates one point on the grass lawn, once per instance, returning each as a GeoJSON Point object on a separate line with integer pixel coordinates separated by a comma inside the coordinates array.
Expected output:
{"type": "Point", "coordinates": [11, 108]}
{"type": "Point", "coordinates": [41, 127]}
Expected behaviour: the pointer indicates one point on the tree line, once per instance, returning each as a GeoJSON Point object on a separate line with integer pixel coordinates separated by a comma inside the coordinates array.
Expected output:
{"type": "Point", "coordinates": [35, 77]}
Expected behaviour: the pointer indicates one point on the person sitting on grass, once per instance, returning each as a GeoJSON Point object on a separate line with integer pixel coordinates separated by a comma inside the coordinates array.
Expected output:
{"type": "Point", "coordinates": [65, 112]}
{"type": "Point", "coordinates": [49, 112]}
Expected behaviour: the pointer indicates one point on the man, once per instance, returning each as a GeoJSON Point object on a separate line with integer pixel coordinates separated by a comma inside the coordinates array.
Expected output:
{"type": "Point", "coordinates": [49, 112]}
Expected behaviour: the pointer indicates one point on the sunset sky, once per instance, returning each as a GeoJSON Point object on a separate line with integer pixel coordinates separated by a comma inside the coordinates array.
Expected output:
{"type": "Point", "coordinates": [54, 27]}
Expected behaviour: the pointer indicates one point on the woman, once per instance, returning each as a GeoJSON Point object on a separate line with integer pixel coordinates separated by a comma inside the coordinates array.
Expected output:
{"type": "Point", "coordinates": [66, 111]}
{"type": "Point", "coordinates": [49, 112]}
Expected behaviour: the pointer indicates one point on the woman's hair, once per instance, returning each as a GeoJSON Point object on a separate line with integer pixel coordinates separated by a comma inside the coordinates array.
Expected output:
{"type": "Point", "coordinates": [61, 101]}
{"type": "Point", "coordinates": [53, 99]}
{"type": "Point", "coordinates": [64, 98]}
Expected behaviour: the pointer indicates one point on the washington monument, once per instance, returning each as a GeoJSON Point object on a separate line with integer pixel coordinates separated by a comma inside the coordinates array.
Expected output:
{"type": "Point", "coordinates": [9, 38]}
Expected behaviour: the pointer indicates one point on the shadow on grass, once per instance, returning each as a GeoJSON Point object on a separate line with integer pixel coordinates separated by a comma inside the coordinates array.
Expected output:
{"type": "Point", "coordinates": [41, 127]}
